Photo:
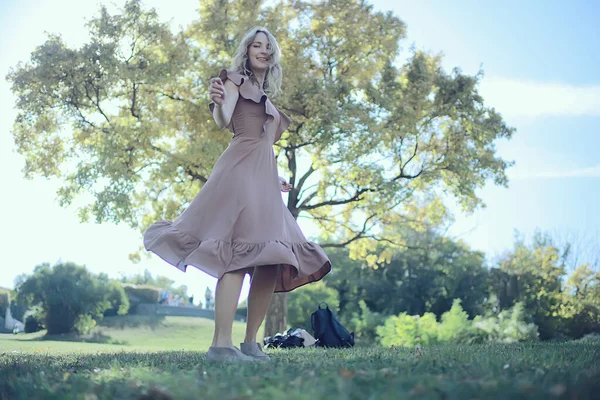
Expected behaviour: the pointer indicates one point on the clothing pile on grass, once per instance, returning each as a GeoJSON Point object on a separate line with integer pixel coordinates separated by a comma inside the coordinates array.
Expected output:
{"type": "Point", "coordinates": [327, 331]}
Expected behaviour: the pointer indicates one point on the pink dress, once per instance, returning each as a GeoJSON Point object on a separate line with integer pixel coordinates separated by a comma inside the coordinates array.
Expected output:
{"type": "Point", "coordinates": [238, 219]}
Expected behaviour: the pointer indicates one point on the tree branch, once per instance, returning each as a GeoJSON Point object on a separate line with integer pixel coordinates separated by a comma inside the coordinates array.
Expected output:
{"type": "Point", "coordinates": [133, 100]}
{"type": "Point", "coordinates": [305, 177]}
{"type": "Point", "coordinates": [356, 197]}
{"type": "Point", "coordinates": [307, 199]}
{"type": "Point", "coordinates": [185, 164]}
{"type": "Point", "coordinates": [172, 97]}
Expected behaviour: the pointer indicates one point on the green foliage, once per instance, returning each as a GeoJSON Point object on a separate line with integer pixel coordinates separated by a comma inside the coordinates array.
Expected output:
{"type": "Point", "coordinates": [580, 308]}
{"type": "Point", "coordinates": [4, 301]}
{"type": "Point", "coordinates": [363, 323]}
{"type": "Point", "coordinates": [455, 327]}
{"type": "Point", "coordinates": [68, 294]}
{"type": "Point", "coordinates": [17, 310]}
{"type": "Point", "coordinates": [508, 326]}
{"type": "Point", "coordinates": [117, 298]}
{"type": "Point", "coordinates": [141, 294]}
{"type": "Point", "coordinates": [159, 282]}
{"type": "Point", "coordinates": [425, 277]}
{"type": "Point", "coordinates": [84, 324]}
{"type": "Point", "coordinates": [303, 301]}
{"type": "Point", "coordinates": [408, 330]}
{"type": "Point", "coordinates": [535, 275]}
{"type": "Point", "coordinates": [34, 321]}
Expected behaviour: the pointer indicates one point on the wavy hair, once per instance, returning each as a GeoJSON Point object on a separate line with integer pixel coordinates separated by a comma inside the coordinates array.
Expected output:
{"type": "Point", "coordinates": [241, 62]}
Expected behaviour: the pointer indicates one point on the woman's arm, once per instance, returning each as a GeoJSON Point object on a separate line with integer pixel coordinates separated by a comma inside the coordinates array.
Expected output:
{"type": "Point", "coordinates": [225, 98]}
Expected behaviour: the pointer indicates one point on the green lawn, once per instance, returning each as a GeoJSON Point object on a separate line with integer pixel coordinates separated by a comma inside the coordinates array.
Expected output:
{"type": "Point", "coordinates": [130, 333]}
{"type": "Point", "coordinates": [164, 359]}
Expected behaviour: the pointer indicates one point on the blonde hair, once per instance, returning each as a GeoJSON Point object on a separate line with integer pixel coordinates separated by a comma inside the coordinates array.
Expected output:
{"type": "Point", "coordinates": [241, 62]}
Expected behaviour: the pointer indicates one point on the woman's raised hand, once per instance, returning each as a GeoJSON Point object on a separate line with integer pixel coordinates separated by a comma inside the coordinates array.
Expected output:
{"type": "Point", "coordinates": [217, 91]}
{"type": "Point", "coordinates": [285, 187]}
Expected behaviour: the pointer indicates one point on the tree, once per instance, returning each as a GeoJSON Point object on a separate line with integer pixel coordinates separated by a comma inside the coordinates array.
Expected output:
{"type": "Point", "coordinates": [424, 277]}
{"type": "Point", "coordinates": [581, 303]}
{"type": "Point", "coordinates": [125, 118]}
{"type": "Point", "coordinates": [70, 296]}
{"type": "Point", "coordinates": [532, 274]}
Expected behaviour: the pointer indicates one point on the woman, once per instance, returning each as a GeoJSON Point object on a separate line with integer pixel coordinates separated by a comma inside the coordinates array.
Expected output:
{"type": "Point", "coordinates": [238, 223]}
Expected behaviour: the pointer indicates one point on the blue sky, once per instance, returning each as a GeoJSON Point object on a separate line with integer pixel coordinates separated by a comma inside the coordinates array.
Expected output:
{"type": "Point", "coordinates": [540, 60]}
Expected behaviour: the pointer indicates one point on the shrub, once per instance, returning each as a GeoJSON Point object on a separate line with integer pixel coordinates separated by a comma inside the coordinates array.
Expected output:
{"type": "Point", "coordinates": [408, 330]}
{"type": "Point", "coordinates": [508, 326]}
{"type": "Point", "coordinates": [34, 320]}
{"type": "Point", "coordinates": [455, 327]}
{"type": "Point", "coordinates": [363, 323]}
{"type": "Point", "coordinates": [142, 294]}
{"type": "Point", "coordinates": [117, 298]}
{"type": "Point", "coordinates": [68, 294]}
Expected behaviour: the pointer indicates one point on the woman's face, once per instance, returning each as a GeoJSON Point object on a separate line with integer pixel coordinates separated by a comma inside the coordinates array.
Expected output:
{"type": "Point", "coordinates": [259, 53]}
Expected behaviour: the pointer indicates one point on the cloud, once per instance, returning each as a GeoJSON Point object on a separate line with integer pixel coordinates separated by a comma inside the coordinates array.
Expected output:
{"type": "Point", "coordinates": [519, 98]}
{"type": "Point", "coordinates": [586, 172]}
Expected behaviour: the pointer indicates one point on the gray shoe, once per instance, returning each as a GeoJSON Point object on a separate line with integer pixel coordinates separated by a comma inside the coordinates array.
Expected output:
{"type": "Point", "coordinates": [254, 350]}
{"type": "Point", "coordinates": [227, 354]}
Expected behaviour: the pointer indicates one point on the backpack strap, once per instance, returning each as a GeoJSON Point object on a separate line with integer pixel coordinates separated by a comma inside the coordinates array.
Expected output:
{"type": "Point", "coordinates": [335, 327]}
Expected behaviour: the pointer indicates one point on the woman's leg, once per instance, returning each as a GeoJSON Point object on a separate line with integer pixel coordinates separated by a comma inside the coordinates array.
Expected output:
{"type": "Point", "coordinates": [261, 291]}
{"type": "Point", "coordinates": [226, 301]}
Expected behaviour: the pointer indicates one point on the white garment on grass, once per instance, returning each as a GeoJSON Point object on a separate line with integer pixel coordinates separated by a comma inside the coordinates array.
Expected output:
{"type": "Point", "coordinates": [10, 323]}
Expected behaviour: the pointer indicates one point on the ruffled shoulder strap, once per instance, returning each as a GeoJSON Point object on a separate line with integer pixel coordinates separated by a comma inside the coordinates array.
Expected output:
{"type": "Point", "coordinates": [248, 90]}
{"type": "Point", "coordinates": [284, 123]}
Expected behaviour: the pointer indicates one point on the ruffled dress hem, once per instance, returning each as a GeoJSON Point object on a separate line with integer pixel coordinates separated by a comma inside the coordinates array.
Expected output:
{"type": "Point", "coordinates": [300, 263]}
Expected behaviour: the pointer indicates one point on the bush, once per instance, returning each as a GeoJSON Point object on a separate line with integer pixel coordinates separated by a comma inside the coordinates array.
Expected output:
{"type": "Point", "coordinates": [303, 301]}
{"type": "Point", "coordinates": [141, 294]}
{"type": "Point", "coordinates": [363, 323]}
{"type": "Point", "coordinates": [84, 324]}
{"type": "Point", "coordinates": [508, 326]}
{"type": "Point", "coordinates": [408, 330]}
{"type": "Point", "coordinates": [455, 327]}
{"type": "Point", "coordinates": [34, 320]}
{"type": "Point", "coordinates": [117, 298]}
{"type": "Point", "coordinates": [591, 338]}
{"type": "Point", "coordinates": [68, 294]}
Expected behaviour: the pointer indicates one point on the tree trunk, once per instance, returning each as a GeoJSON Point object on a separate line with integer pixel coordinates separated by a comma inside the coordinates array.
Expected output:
{"type": "Point", "coordinates": [277, 315]}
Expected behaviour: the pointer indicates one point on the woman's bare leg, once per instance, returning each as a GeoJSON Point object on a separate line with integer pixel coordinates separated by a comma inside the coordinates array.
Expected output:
{"type": "Point", "coordinates": [262, 287]}
{"type": "Point", "coordinates": [226, 300]}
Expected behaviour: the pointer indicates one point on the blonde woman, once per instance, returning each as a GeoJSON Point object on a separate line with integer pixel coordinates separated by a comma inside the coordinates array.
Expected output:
{"type": "Point", "coordinates": [238, 223]}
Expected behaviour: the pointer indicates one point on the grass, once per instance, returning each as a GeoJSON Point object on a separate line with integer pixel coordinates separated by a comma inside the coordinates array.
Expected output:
{"type": "Point", "coordinates": [144, 364]}
{"type": "Point", "coordinates": [129, 333]}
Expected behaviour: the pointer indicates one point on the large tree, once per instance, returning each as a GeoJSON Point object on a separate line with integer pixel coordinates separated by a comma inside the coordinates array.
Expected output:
{"type": "Point", "coordinates": [125, 118]}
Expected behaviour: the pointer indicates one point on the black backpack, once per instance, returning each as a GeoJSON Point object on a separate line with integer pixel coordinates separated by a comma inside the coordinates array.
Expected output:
{"type": "Point", "coordinates": [328, 331]}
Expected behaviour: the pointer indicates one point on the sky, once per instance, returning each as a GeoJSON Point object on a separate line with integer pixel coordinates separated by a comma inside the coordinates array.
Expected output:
{"type": "Point", "coordinates": [540, 61]}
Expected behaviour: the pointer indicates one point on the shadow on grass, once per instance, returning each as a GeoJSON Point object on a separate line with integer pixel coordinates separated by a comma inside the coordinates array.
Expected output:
{"type": "Point", "coordinates": [96, 337]}
{"type": "Point", "coordinates": [132, 321]}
